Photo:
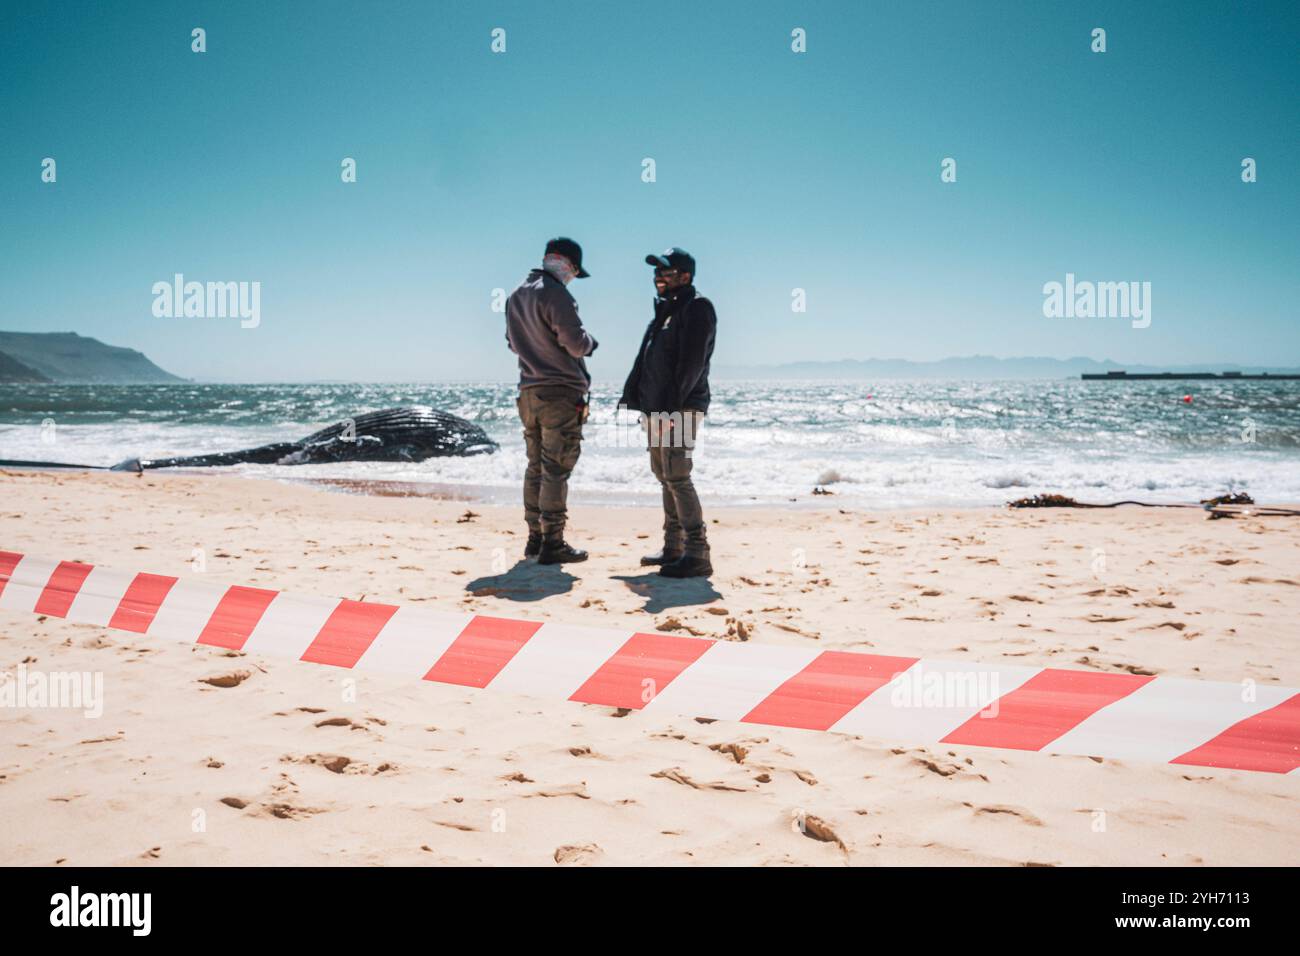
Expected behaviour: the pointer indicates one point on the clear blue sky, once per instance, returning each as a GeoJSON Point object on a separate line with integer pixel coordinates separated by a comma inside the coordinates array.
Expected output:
{"type": "Point", "coordinates": [776, 170]}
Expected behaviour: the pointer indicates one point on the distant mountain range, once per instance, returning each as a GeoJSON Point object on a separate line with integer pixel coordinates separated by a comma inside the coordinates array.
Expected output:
{"type": "Point", "coordinates": [66, 357]}
{"type": "Point", "coordinates": [969, 367]}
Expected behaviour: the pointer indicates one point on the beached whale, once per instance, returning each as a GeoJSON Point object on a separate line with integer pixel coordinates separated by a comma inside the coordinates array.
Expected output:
{"type": "Point", "coordinates": [413, 433]}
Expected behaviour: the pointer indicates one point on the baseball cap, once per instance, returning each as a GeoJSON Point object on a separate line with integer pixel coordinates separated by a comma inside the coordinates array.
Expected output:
{"type": "Point", "coordinates": [673, 258]}
{"type": "Point", "coordinates": [571, 251]}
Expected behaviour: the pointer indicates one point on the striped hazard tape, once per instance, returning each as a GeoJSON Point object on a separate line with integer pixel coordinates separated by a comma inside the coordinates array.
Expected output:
{"type": "Point", "coordinates": [900, 699]}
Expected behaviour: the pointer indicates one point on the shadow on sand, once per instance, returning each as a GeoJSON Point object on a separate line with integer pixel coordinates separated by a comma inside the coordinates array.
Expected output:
{"type": "Point", "coordinates": [663, 593]}
{"type": "Point", "coordinates": [526, 581]}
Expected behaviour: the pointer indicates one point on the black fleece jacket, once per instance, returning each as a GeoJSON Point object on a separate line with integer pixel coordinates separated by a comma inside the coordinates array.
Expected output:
{"type": "Point", "coordinates": [671, 372]}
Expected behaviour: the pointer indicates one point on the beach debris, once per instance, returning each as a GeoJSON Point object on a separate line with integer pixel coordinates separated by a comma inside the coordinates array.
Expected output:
{"type": "Point", "coordinates": [1237, 498]}
{"type": "Point", "coordinates": [1064, 501]}
{"type": "Point", "coordinates": [819, 490]}
{"type": "Point", "coordinates": [467, 517]}
{"type": "Point", "coordinates": [1046, 501]}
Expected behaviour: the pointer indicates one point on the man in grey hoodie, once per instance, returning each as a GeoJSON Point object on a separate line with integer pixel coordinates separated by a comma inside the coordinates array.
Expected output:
{"type": "Point", "coordinates": [543, 329]}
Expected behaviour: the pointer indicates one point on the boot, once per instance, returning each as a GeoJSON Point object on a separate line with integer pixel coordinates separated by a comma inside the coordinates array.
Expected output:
{"type": "Point", "coordinates": [694, 562]}
{"type": "Point", "coordinates": [534, 545]}
{"type": "Point", "coordinates": [663, 556]}
{"type": "Point", "coordinates": [556, 551]}
{"type": "Point", "coordinates": [688, 566]}
{"type": "Point", "coordinates": [670, 552]}
{"type": "Point", "coordinates": [673, 543]}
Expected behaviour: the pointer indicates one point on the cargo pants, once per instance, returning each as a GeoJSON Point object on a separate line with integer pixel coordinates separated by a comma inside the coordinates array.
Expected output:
{"type": "Point", "coordinates": [552, 416]}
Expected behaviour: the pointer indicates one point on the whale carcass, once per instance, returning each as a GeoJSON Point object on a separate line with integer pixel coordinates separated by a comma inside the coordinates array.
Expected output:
{"type": "Point", "coordinates": [411, 433]}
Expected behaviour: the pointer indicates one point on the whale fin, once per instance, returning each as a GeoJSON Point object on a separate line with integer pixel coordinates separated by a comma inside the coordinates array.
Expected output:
{"type": "Point", "coordinates": [131, 464]}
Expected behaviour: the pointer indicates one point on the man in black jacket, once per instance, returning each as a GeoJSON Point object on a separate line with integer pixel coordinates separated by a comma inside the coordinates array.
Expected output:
{"type": "Point", "coordinates": [543, 329]}
{"type": "Point", "coordinates": [669, 386]}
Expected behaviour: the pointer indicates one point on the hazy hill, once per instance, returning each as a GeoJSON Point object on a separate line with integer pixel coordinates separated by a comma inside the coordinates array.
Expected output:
{"type": "Point", "coordinates": [12, 370]}
{"type": "Point", "coordinates": [968, 367]}
{"type": "Point", "coordinates": [68, 357]}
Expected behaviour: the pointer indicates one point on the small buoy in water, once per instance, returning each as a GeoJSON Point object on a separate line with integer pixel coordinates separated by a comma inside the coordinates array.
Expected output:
{"type": "Point", "coordinates": [1187, 399]}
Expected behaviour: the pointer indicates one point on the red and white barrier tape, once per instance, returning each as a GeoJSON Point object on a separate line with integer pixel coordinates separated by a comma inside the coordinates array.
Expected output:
{"type": "Point", "coordinates": [898, 699]}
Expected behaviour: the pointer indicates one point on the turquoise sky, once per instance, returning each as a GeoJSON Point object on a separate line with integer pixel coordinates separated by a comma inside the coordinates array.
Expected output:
{"type": "Point", "coordinates": [777, 170]}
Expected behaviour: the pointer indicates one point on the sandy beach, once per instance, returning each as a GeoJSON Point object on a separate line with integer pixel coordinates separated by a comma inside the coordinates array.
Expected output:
{"type": "Point", "coordinates": [303, 764]}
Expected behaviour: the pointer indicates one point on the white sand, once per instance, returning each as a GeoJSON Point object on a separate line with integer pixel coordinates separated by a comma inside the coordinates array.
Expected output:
{"type": "Point", "coordinates": [440, 774]}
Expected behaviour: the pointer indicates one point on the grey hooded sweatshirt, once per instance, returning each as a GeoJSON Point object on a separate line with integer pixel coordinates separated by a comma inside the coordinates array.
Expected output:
{"type": "Point", "coordinates": [543, 329]}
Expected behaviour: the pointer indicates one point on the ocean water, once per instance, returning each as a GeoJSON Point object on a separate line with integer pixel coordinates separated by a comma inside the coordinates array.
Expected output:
{"type": "Point", "coordinates": [891, 444]}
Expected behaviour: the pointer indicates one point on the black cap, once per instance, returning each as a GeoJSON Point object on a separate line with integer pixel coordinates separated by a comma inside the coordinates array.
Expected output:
{"type": "Point", "coordinates": [571, 251]}
{"type": "Point", "coordinates": [673, 258]}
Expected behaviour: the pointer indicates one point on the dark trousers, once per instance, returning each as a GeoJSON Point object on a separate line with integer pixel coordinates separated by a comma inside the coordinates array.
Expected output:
{"type": "Point", "coordinates": [552, 417]}
{"type": "Point", "coordinates": [670, 439]}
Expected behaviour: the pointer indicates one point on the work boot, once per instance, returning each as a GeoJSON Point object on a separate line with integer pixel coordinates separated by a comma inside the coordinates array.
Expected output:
{"type": "Point", "coordinates": [556, 551]}
{"type": "Point", "coordinates": [534, 545]}
{"type": "Point", "coordinates": [694, 562]}
{"type": "Point", "coordinates": [670, 552]}
{"type": "Point", "coordinates": [688, 566]}
{"type": "Point", "coordinates": [663, 556]}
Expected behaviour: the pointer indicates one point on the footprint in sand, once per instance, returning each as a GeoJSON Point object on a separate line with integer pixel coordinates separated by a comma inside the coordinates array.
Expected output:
{"type": "Point", "coordinates": [287, 811]}
{"type": "Point", "coordinates": [463, 827]}
{"type": "Point", "coordinates": [336, 722]}
{"type": "Point", "coordinates": [1001, 808]}
{"type": "Point", "coordinates": [677, 776]}
{"type": "Point", "coordinates": [233, 679]}
{"type": "Point", "coordinates": [568, 790]}
{"type": "Point", "coordinates": [580, 854]}
{"type": "Point", "coordinates": [815, 828]}
{"type": "Point", "coordinates": [737, 752]}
